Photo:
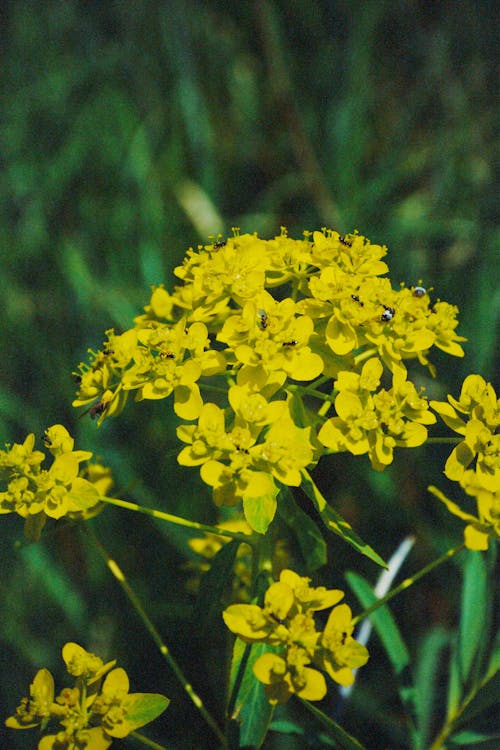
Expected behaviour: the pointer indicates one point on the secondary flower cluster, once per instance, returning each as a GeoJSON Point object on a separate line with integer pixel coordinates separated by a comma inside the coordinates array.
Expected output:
{"type": "Point", "coordinates": [297, 649]}
{"type": "Point", "coordinates": [91, 713]}
{"type": "Point", "coordinates": [65, 489]}
{"type": "Point", "coordinates": [475, 462]}
{"type": "Point", "coordinates": [283, 330]}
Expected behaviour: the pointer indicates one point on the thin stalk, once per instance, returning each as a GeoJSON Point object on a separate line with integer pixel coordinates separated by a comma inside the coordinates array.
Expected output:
{"type": "Point", "coordinates": [364, 355]}
{"type": "Point", "coordinates": [408, 582]}
{"type": "Point", "coordinates": [247, 538]}
{"type": "Point", "coordinates": [309, 392]}
{"type": "Point", "coordinates": [451, 722]}
{"type": "Point", "coordinates": [332, 726]}
{"type": "Point", "coordinates": [152, 630]}
{"type": "Point", "coordinates": [146, 741]}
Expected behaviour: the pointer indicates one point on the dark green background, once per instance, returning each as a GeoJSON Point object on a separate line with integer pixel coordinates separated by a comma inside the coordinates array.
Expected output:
{"type": "Point", "coordinates": [117, 118]}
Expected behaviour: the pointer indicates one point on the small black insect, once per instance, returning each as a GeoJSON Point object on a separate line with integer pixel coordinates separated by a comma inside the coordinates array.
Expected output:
{"type": "Point", "coordinates": [419, 291]}
{"type": "Point", "coordinates": [108, 352]}
{"type": "Point", "coordinates": [356, 299]}
{"type": "Point", "coordinates": [166, 355]}
{"type": "Point", "coordinates": [217, 245]}
{"type": "Point", "coordinates": [293, 342]}
{"type": "Point", "coordinates": [343, 240]}
{"type": "Point", "coordinates": [388, 314]}
{"type": "Point", "coordinates": [263, 319]}
{"type": "Point", "coordinates": [95, 410]}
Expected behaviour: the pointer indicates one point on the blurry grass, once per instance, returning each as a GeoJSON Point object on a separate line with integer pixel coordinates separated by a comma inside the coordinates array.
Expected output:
{"type": "Point", "coordinates": [131, 131]}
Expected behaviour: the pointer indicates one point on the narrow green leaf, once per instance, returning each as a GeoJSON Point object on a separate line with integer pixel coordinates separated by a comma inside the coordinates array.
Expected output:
{"type": "Point", "coordinates": [383, 622]}
{"type": "Point", "coordinates": [335, 523]}
{"type": "Point", "coordinates": [473, 612]}
{"type": "Point", "coordinates": [426, 679]}
{"type": "Point", "coordinates": [487, 696]}
{"type": "Point", "coordinates": [394, 645]}
{"type": "Point", "coordinates": [454, 683]}
{"type": "Point", "coordinates": [249, 706]}
{"type": "Point", "coordinates": [476, 739]}
{"type": "Point", "coordinates": [213, 582]}
{"type": "Point", "coordinates": [309, 537]}
{"type": "Point", "coordinates": [259, 512]}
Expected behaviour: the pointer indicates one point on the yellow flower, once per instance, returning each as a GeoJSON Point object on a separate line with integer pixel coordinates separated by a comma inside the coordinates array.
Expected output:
{"type": "Point", "coordinates": [62, 490]}
{"type": "Point", "coordinates": [340, 653]}
{"type": "Point", "coordinates": [285, 451]}
{"type": "Point", "coordinates": [286, 622]}
{"type": "Point", "coordinates": [37, 709]}
{"type": "Point", "coordinates": [475, 416]}
{"type": "Point", "coordinates": [483, 526]}
{"type": "Point", "coordinates": [376, 422]}
{"type": "Point", "coordinates": [90, 714]}
{"type": "Point", "coordinates": [283, 678]}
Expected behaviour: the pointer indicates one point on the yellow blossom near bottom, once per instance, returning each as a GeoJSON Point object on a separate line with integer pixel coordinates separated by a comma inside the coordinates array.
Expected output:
{"type": "Point", "coordinates": [286, 622]}
{"type": "Point", "coordinates": [90, 714]}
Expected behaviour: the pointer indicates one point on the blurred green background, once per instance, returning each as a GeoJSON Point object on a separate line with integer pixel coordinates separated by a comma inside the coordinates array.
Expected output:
{"type": "Point", "coordinates": [132, 130]}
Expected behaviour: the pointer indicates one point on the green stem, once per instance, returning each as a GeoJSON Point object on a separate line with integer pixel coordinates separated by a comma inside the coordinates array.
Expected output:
{"type": "Point", "coordinates": [152, 630]}
{"type": "Point", "coordinates": [146, 741]}
{"type": "Point", "coordinates": [332, 726]}
{"type": "Point", "coordinates": [364, 355]}
{"type": "Point", "coordinates": [451, 722]}
{"type": "Point", "coordinates": [408, 582]}
{"type": "Point", "coordinates": [247, 538]}
{"type": "Point", "coordinates": [309, 392]}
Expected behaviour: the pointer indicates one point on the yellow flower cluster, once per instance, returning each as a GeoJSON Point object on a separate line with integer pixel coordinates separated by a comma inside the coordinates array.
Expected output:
{"type": "Point", "coordinates": [297, 649]}
{"type": "Point", "coordinates": [91, 713]}
{"type": "Point", "coordinates": [65, 489]}
{"type": "Point", "coordinates": [283, 330]}
{"type": "Point", "coordinates": [475, 462]}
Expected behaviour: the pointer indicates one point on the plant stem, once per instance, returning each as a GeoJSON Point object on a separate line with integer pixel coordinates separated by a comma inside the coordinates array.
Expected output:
{"type": "Point", "coordinates": [152, 630]}
{"type": "Point", "coordinates": [334, 728]}
{"type": "Point", "coordinates": [247, 538]}
{"type": "Point", "coordinates": [409, 582]}
{"type": "Point", "coordinates": [146, 741]}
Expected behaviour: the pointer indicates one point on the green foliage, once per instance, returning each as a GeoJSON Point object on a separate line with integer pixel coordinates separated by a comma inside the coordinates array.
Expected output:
{"type": "Point", "coordinates": [129, 134]}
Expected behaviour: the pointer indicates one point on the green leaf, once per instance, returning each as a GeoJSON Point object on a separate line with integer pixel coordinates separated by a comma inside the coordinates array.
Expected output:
{"type": "Point", "coordinates": [335, 523]}
{"type": "Point", "coordinates": [213, 582]}
{"type": "Point", "coordinates": [248, 704]}
{"type": "Point", "coordinates": [383, 622]}
{"type": "Point", "coordinates": [476, 739]}
{"type": "Point", "coordinates": [390, 636]}
{"type": "Point", "coordinates": [426, 679]}
{"type": "Point", "coordinates": [473, 612]}
{"type": "Point", "coordinates": [309, 537]}
{"type": "Point", "coordinates": [259, 512]}
{"type": "Point", "coordinates": [141, 708]}
{"type": "Point", "coordinates": [487, 695]}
